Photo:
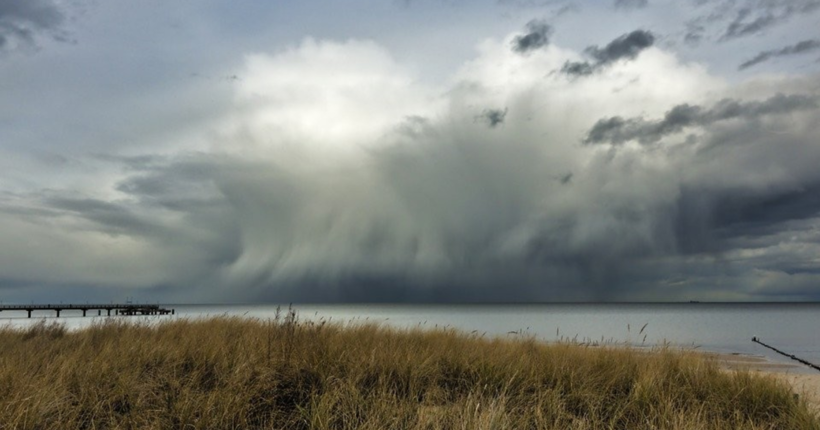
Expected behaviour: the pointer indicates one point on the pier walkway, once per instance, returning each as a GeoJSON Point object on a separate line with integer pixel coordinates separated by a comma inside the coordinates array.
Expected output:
{"type": "Point", "coordinates": [119, 309]}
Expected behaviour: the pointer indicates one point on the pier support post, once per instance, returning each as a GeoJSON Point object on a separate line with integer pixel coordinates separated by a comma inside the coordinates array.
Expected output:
{"type": "Point", "coordinates": [84, 311]}
{"type": "Point", "coordinates": [99, 312]}
{"type": "Point", "coordinates": [29, 312]}
{"type": "Point", "coordinates": [58, 312]}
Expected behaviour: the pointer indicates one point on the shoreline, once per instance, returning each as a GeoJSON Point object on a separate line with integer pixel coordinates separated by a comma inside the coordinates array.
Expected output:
{"type": "Point", "coordinates": [804, 381]}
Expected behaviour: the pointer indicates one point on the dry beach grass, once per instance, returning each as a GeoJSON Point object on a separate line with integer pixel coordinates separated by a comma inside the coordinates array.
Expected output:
{"type": "Point", "coordinates": [803, 381]}
{"type": "Point", "coordinates": [236, 373]}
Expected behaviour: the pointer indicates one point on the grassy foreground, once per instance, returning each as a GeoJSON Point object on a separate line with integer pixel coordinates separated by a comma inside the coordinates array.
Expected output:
{"type": "Point", "coordinates": [227, 373]}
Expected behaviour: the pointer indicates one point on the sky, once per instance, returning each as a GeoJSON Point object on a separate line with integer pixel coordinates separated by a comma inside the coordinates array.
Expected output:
{"type": "Point", "coordinates": [409, 150]}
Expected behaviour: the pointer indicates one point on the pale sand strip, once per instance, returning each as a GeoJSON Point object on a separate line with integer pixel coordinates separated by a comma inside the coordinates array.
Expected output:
{"type": "Point", "coordinates": [803, 380]}
{"type": "Point", "coordinates": [804, 384]}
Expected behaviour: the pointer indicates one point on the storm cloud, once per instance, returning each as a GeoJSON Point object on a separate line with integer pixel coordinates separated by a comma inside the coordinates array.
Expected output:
{"type": "Point", "coordinates": [439, 210]}
{"type": "Point", "coordinates": [537, 36]}
{"type": "Point", "coordinates": [625, 47]}
{"type": "Point", "coordinates": [338, 170]}
{"type": "Point", "coordinates": [802, 47]}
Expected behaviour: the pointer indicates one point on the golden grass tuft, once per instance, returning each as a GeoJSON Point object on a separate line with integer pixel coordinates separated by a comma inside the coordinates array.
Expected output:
{"type": "Point", "coordinates": [235, 373]}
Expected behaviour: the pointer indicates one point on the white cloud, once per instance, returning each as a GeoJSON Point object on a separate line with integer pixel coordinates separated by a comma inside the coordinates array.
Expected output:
{"type": "Point", "coordinates": [324, 97]}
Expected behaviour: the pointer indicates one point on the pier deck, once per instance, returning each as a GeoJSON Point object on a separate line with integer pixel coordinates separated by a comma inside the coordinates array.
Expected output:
{"type": "Point", "coordinates": [119, 309]}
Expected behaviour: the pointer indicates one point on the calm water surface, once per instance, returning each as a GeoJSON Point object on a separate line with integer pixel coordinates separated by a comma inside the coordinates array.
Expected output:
{"type": "Point", "coordinates": [794, 328]}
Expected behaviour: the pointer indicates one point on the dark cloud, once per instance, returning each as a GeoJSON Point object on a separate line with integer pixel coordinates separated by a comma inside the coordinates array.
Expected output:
{"type": "Point", "coordinates": [625, 47]}
{"type": "Point", "coordinates": [726, 20]}
{"type": "Point", "coordinates": [566, 179]}
{"type": "Point", "coordinates": [610, 130]}
{"type": "Point", "coordinates": [493, 117]}
{"type": "Point", "coordinates": [802, 47]}
{"type": "Point", "coordinates": [537, 36]}
{"type": "Point", "coordinates": [762, 212]}
{"type": "Point", "coordinates": [747, 23]}
{"type": "Point", "coordinates": [718, 222]}
{"type": "Point", "coordinates": [104, 216]}
{"type": "Point", "coordinates": [135, 162]}
{"type": "Point", "coordinates": [631, 4]}
{"type": "Point", "coordinates": [721, 219]}
{"type": "Point", "coordinates": [21, 21]}
{"type": "Point", "coordinates": [165, 229]}
{"type": "Point", "coordinates": [617, 130]}
{"type": "Point", "coordinates": [185, 184]}
{"type": "Point", "coordinates": [694, 33]}
{"type": "Point", "coordinates": [578, 68]}
{"type": "Point", "coordinates": [755, 17]}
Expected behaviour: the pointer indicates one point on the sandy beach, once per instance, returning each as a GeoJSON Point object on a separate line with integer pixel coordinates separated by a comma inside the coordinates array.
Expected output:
{"type": "Point", "coordinates": [804, 381]}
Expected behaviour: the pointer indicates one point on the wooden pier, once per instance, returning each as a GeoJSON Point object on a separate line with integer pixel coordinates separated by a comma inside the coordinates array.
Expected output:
{"type": "Point", "coordinates": [119, 309]}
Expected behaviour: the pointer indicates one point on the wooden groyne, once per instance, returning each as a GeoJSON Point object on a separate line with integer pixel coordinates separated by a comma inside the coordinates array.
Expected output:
{"type": "Point", "coordinates": [119, 309]}
{"type": "Point", "coordinates": [792, 356]}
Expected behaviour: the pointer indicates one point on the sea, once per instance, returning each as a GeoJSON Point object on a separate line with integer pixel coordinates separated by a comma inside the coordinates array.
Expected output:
{"type": "Point", "coordinates": [715, 327]}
